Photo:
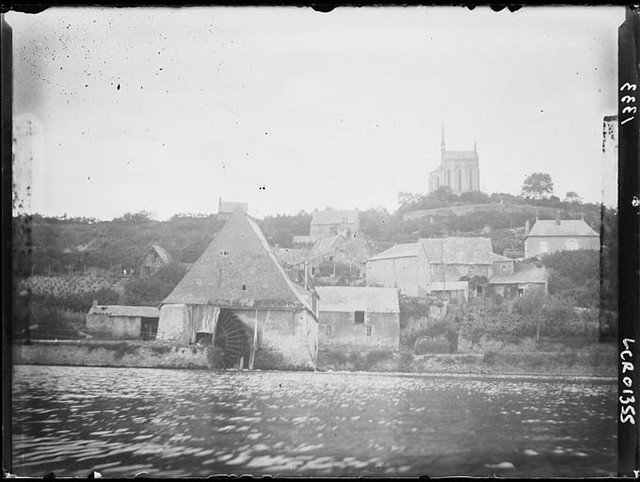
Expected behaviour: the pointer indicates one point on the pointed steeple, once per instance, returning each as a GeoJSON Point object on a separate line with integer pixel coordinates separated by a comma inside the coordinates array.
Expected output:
{"type": "Point", "coordinates": [442, 146]}
{"type": "Point", "coordinates": [475, 146]}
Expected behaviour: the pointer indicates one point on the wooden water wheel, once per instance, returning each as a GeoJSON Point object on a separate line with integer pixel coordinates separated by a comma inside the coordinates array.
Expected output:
{"type": "Point", "coordinates": [231, 336]}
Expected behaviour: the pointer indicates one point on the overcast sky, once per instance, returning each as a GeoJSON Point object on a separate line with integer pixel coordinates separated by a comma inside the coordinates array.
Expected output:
{"type": "Point", "coordinates": [287, 109]}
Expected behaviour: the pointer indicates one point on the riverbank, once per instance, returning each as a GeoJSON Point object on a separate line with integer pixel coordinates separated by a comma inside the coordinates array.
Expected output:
{"type": "Point", "coordinates": [591, 361]}
{"type": "Point", "coordinates": [597, 360]}
{"type": "Point", "coordinates": [105, 353]}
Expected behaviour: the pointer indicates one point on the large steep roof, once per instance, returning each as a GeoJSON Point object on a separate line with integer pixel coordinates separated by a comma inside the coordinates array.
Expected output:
{"type": "Point", "coordinates": [238, 269]}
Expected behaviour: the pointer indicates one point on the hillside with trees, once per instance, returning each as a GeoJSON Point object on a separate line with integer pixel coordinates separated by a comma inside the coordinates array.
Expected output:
{"type": "Point", "coordinates": [100, 258]}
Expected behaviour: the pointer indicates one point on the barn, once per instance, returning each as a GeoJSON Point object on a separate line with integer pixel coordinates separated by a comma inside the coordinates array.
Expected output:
{"type": "Point", "coordinates": [238, 298]}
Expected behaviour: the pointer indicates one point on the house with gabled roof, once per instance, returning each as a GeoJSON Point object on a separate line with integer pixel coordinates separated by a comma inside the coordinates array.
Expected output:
{"type": "Point", "coordinates": [454, 257]}
{"type": "Point", "coordinates": [403, 266]}
{"type": "Point", "coordinates": [550, 235]}
{"type": "Point", "coordinates": [238, 298]}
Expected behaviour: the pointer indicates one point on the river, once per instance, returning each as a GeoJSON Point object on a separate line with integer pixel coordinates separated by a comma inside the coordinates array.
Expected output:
{"type": "Point", "coordinates": [178, 423]}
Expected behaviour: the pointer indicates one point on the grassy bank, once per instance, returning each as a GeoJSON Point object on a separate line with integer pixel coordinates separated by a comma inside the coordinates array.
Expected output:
{"type": "Point", "coordinates": [594, 360]}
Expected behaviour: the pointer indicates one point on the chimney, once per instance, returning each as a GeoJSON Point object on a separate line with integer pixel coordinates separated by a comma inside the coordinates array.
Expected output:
{"type": "Point", "coordinates": [526, 228]}
{"type": "Point", "coordinates": [558, 217]}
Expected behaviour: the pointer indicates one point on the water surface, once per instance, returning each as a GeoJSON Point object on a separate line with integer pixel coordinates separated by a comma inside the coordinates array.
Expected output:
{"type": "Point", "coordinates": [179, 423]}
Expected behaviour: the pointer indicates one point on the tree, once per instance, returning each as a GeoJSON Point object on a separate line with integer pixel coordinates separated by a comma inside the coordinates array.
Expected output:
{"type": "Point", "coordinates": [530, 308]}
{"type": "Point", "coordinates": [572, 197]}
{"type": "Point", "coordinates": [537, 186]}
{"type": "Point", "coordinates": [445, 194]}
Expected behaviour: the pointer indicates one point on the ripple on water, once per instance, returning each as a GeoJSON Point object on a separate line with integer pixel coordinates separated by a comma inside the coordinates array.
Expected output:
{"type": "Point", "coordinates": [183, 422]}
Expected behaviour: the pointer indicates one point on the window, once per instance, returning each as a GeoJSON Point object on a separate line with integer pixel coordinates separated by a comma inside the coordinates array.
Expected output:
{"type": "Point", "coordinates": [571, 244]}
{"type": "Point", "coordinates": [459, 180]}
{"type": "Point", "coordinates": [448, 177]}
{"type": "Point", "coordinates": [369, 330]}
{"type": "Point", "coordinates": [244, 287]}
{"type": "Point", "coordinates": [520, 292]}
{"type": "Point", "coordinates": [359, 318]}
{"type": "Point", "coordinates": [327, 330]}
{"type": "Point", "coordinates": [470, 180]}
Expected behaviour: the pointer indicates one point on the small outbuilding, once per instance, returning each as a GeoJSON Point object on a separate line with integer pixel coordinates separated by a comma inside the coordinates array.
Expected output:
{"type": "Point", "coordinates": [525, 279]}
{"type": "Point", "coordinates": [154, 258]}
{"type": "Point", "coordinates": [451, 290]}
{"type": "Point", "coordinates": [123, 322]}
{"type": "Point", "coordinates": [361, 318]}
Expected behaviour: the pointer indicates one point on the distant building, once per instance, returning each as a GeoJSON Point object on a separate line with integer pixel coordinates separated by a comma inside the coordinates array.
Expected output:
{"type": "Point", "coordinates": [548, 236]}
{"type": "Point", "coordinates": [328, 223]}
{"type": "Point", "coordinates": [227, 208]}
{"type": "Point", "coordinates": [523, 280]}
{"type": "Point", "coordinates": [453, 258]}
{"type": "Point", "coordinates": [458, 170]}
{"type": "Point", "coordinates": [359, 318]}
{"type": "Point", "coordinates": [154, 258]}
{"type": "Point", "coordinates": [123, 322]}
{"type": "Point", "coordinates": [349, 253]}
{"type": "Point", "coordinates": [403, 266]}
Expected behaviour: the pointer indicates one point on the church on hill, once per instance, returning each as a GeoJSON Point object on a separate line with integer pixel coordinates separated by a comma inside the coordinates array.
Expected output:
{"type": "Point", "coordinates": [458, 170]}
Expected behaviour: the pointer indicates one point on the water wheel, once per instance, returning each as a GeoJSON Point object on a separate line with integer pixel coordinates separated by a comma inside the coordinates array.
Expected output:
{"type": "Point", "coordinates": [231, 337]}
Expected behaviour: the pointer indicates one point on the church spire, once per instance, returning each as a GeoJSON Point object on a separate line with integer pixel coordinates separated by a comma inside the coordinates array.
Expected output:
{"type": "Point", "coordinates": [442, 140]}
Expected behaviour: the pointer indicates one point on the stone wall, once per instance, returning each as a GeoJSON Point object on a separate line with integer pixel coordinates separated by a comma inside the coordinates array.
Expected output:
{"type": "Point", "coordinates": [111, 354]}
{"type": "Point", "coordinates": [345, 333]}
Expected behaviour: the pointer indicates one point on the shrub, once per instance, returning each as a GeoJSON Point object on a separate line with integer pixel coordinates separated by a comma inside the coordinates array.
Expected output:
{"type": "Point", "coordinates": [337, 359]}
{"type": "Point", "coordinates": [426, 346]}
{"type": "Point", "coordinates": [406, 359]}
{"type": "Point", "coordinates": [356, 360]}
{"type": "Point", "coordinates": [376, 356]}
{"type": "Point", "coordinates": [267, 358]}
{"type": "Point", "coordinates": [490, 358]}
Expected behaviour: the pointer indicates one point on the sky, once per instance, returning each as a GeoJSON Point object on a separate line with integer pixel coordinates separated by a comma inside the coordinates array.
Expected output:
{"type": "Point", "coordinates": [167, 110]}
